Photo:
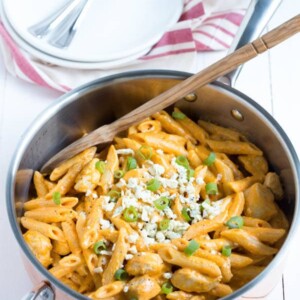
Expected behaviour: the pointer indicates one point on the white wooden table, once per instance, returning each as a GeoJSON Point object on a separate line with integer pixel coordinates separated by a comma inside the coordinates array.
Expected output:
{"type": "Point", "coordinates": [273, 80]}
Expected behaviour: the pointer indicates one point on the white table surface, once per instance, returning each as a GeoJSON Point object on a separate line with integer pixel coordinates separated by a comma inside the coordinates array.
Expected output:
{"type": "Point", "coordinates": [272, 80]}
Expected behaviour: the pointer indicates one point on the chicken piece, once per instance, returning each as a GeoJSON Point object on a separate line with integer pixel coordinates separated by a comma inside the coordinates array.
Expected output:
{"type": "Point", "coordinates": [142, 288]}
{"type": "Point", "coordinates": [189, 280]}
{"type": "Point", "coordinates": [145, 263]}
{"type": "Point", "coordinates": [254, 164]}
{"type": "Point", "coordinates": [259, 202]}
{"type": "Point", "coordinates": [272, 181]}
{"type": "Point", "coordinates": [40, 245]}
{"type": "Point", "coordinates": [88, 178]}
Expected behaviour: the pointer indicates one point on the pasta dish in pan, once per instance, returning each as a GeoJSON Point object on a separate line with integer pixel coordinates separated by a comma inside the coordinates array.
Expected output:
{"type": "Point", "coordinates": [174, 210]}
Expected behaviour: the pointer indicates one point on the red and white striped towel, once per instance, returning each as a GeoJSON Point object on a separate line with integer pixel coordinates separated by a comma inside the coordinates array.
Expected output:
{"type": "Point", "coordinates": [205, 25]}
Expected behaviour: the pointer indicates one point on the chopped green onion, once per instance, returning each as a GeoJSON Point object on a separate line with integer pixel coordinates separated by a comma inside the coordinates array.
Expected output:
{"type": "Point", "coordinates": [100, 166]}
{"type": "Point", "coordinates": [190, 173]}
{"type": "Point", "coordinates": [178, 115]}
{"type": "Point", "coordinates": [153, 185]}
{"type": "Point", "coordinates": [182, 161]}
{"type": "Point", "coordinates": [130, 214]}
{"type": "Point", "coordinates": [162, 203]}
{"type": "Point", "coordinates": [235, 222]}
{"type": "Point", "coordinates": [185, 214]}
{"type": "Point", "coordinates": [131, 163]}
{"type": "Point", "coordinates": [164, 224]}
{"type": "Point", "coordinates": [167, 288]}
{"type": "Point", "coordinates": [99, 246]}
{"type": "Point", "coordinates": [56, 198]}
{"type": "Point", "coordinates": [226, 251]}
{"type": "Point", "coordinates": [191, 248]}
{"type": "Point", "coordinates": [210, 159]}
{"type": "Point", "coordinates": [211, 188]}
{"type": "Point", "coordinates": [121, 274]}
{"type": "Point", "coordinates": [119, 174]}
{"type": "Point", "coordinates": [114, 195]}
{"type": "Point", "coordinates": [145, 152]}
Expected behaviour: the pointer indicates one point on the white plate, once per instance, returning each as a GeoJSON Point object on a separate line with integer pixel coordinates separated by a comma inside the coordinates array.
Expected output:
{"type": "Point", "coordinates": [45, 58]}
{"type": "Point", "coordinates": [111, 29]}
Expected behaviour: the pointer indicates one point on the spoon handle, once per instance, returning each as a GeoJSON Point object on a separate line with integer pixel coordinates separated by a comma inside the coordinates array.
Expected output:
{"type": "Point", "coordinates": [209, 74]}
{"type": "Point", "coordinates": [106, 133]}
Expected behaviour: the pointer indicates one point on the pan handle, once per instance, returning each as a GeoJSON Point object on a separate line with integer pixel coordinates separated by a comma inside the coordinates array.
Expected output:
{"type": "Point", "coordinates": [43, 292]}
{"type": "Point", "coordinates": [257, 17]}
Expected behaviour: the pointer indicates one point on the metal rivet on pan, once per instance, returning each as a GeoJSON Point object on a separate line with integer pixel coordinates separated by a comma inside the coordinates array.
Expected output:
{"type": "Point", "coordinates": [237, 115]}
{"type": "Point", "coordinates": [190, 97]}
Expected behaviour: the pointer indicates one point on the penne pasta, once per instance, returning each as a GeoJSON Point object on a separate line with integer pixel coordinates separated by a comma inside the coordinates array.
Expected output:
{"type": "Point", "coordinates": [51, 214]}
{"type": "Point", "coordinates": [91, 231]}
{"type": "Point", "coordinates": [108, 290]}
{"type": "Point", "coordinates": [196, 131]}
{"type": "Point", "coordinates": [48, 230]}
{"type": "Point", "coordinates": [171, 210]}
{"type": "Point", "coordinates": [69, 230]}
{"type": "Point", "coordinates": [234, 148]}
{"type": "Point", "coordinates": [40, 184]}
{"type": "Point", "coordinates": [117, 259]}
{"type": "Point", "coordinates": [248, 241]}
{"type": "Point", "coordinates": [81, 158]}
{"type": "Point", "coordinates": [68, 202]}
{"type": "Point", "coordinates": [239, 261]}
{"type": "Point", "coordinates": [172, 256]}
{"type": "Point", "coordinates": [201, 228]}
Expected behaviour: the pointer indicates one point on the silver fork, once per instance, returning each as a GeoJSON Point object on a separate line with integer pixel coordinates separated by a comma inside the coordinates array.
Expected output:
{"type": "Point", "coordinates": [60, 27]}
{"type": "Point", "coordinates": [64, 35]}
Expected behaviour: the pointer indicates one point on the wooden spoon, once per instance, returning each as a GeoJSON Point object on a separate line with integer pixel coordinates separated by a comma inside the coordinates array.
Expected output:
{"type": "Point", "coordinates": [106, 133]}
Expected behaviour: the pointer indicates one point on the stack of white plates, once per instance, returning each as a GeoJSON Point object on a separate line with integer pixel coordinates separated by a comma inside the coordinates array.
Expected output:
{"type": "Point", "coordinates": [113, 32]}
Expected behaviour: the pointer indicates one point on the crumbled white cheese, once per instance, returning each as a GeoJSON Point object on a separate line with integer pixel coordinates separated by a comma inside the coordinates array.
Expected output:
{"type": "Point", "coordinates": [105, 252]}
{"type": "Point", "coordinates": [150, 229]}
{"type": "Point", "coordinates": [129, 201]}
{"type": "Point", "coordinates": [118, 211]}
{"type": "Point", "coordinates": [128, 256]}
{"type": "Point", "coordinates": [199, 180]}
{"type": "Point", "coordinates": [156, 170]}
{"type": "Point", "coordinates": [132, 249]}
{"type": "Point", "coordinates": [160, 237]}
{"type": "Point", "coordinates": [159, 151]}
{"type": "Point", "coordinates": [167, 275]}
{"type": "Point", "coordinates": [169, 213]}
{"type": "Point", "coordinates": [219, 177]}
{"type": "Point", "coordinates": [133, 182]}
{"type": "Point", "coordinates": [211, 210]}
{"type": "Point", "coordinates": [98, 270]}
{"type": "Point", "coordinates": [143, 194]}
{"type": "Point", "coordinates": [103, 260]}
{"type": "Point", "coordinates": [154, 219]}
{"type": "Point", "coordinates": [126, 288]}
{"type": "Point", "coordinates": [172, 235]}
{"type": "Point", "coordinates": [107, 205]}
{"type": "Point", "coordinates": [121, 183]}
{"type": "Point", "coordinates": [168, 183]}
{"type": "Point", "coordinates": [125, 151]}
{"type": "Point", "coordinates": [105, 224]}
{"type": "Point", "coordinates": [132, 238]}
{"type": "Point", "coordinates": [182, 172]}
{"type": "Point", "coordinates": [178, 226]}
